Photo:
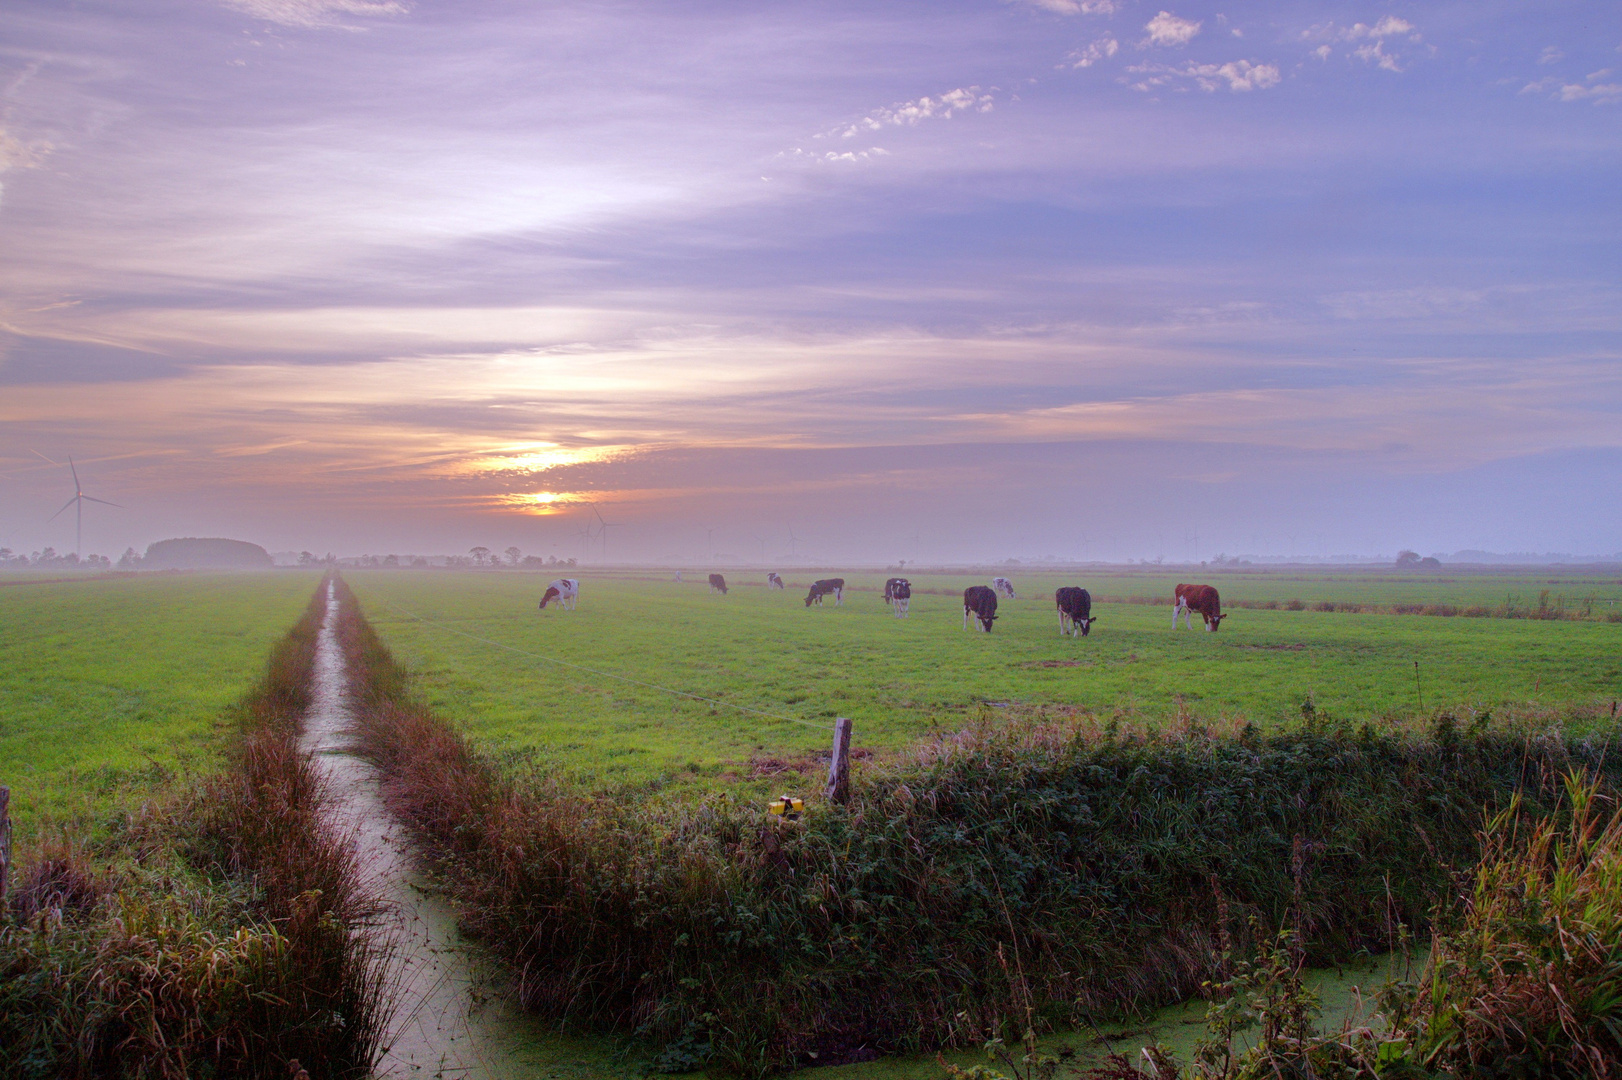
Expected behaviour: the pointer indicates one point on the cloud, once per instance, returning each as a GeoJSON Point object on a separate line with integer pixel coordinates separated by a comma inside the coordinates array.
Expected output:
{"type": "Point", "coordinates": [1076, 7]}
{"type": "Point", "coordinates": [1375, 40]}
{"type": "Point", "coordinates": [911, 113]}
{"type": "Point", "coordinates": [1167, 29]}
{"type": "Point", "coordinates": [17, 154]}
{"type": "Point", "coordinates": [1550, 54]}
{"type": "Point", "coordinates": [1239, 75]}
{"type": "Point", "coordinates": [1599, 94]}
{"type": "Point", "coordinates": [316, 14]}
{"type": "Point", "coordinates": [1102, 49]}
{"type": "Point", "coordinates": [1376, 54]}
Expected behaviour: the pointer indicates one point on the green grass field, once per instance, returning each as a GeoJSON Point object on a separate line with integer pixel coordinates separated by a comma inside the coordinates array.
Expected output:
{"type": "Point", "coordinates": [110, 686]}
{"type": "Point", "coordinates": [903, 680]}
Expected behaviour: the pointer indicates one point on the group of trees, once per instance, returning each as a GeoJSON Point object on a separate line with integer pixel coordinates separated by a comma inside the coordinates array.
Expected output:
{"type": "Point", "coordinates": [48, 559]}
{"type": "Point", "coordinates": [1410, 560]}
{"type": "Point", "coordinates": [483, 556]}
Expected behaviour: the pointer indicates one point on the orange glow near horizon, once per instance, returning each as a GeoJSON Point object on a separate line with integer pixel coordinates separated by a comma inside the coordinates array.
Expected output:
{"type": "Point", "coordinates": [539, 502]}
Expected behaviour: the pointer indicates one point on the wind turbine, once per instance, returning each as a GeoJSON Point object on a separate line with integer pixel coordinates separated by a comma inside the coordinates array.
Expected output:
{"type": "Point", "coordinates": [761, 540]}
{"type": "Point", "coordinates": [603, 527]}
{"type": "Point", "coordinates": [586, 534]}
{"type": "Point", "coordinates": [793, 541]}
{"type": "Point", "coordinates": [77, 502]}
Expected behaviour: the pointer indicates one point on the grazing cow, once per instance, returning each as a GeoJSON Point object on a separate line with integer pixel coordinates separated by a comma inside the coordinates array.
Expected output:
{"type": "Point", "coordinates": [1004, 587]}
{"type": "Point", "coordinates": [980, 602]}
{"type": "Point", "coordinates": [1200, 598]}
{"type": "Point", "coordinates": [834, 587]}
{"type": "Point", "coordinates": [773, 581]}
{"type": "Point", "coordinates": [718, 584]}
{"type": "Point", "coordinates": [898, 592]}
{"type": "Point", "coordinates": [565, 591]}
{"type": "Point", "coordinates": [1075, 610]}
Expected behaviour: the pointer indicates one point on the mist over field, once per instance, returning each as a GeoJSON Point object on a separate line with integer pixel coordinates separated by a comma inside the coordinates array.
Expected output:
{"type": "Point", "coordinates": [831, 282]}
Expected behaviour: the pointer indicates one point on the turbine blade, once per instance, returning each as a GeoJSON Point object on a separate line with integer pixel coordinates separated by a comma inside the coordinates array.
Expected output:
{"type": "Point", "coordinates": [74, 471]}
{"type": "Point", "coordinates": [65, 505]}
{"type": "Point", "coordinates": [104, 502]}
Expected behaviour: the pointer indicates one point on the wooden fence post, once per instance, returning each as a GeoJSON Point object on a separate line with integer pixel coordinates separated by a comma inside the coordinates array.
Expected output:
{"type": "Point", "coordinates": [839, 765]}
{"type": "Point", "coordinates": [5, 842]}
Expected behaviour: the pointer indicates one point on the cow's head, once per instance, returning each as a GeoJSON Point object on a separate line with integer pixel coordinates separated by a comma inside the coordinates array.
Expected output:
{"type": "Point", "coordinates": [986, 621]}
{"type": "Point", "coordinates": [1086, 624]}
{"type": "Point", "coordinates": [810, 596]}
{"type": "Point", "coordinates": [1213, 623]}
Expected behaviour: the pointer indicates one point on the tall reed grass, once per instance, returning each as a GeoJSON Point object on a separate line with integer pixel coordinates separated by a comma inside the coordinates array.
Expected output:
{"type": "Point", "coordinates": [1079, 869]}
{"type": "Point", "coordinates": [227, 937]}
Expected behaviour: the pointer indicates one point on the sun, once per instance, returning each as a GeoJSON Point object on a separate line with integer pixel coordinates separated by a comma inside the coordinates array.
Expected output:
{"type": "Point", "coordinates": [538, 502]}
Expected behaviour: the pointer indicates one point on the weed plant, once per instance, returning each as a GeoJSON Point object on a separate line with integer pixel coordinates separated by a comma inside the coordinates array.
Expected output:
{"type": "Point", "coordinates": [1011, 876]}
{"type": "Point", "coordinates": [224, 936]}
{"type": "Point", "coordinates": [1524, 978]}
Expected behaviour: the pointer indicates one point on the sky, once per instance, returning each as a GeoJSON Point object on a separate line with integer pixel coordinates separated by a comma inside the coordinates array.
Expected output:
{"type": "Point", "coordinates": [949, 280]}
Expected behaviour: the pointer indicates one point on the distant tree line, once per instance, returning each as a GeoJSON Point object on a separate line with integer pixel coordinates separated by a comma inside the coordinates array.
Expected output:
{"type": "Point", "coordinates": [48, 559]}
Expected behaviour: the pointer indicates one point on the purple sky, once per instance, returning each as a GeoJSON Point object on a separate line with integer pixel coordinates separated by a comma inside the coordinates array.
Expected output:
{"type": "Point", "coordinates": [943, 280]}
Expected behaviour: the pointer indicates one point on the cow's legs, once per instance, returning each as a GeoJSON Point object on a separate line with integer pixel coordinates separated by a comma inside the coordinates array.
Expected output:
{"type": "Point", "coordinates": [1180, 606]}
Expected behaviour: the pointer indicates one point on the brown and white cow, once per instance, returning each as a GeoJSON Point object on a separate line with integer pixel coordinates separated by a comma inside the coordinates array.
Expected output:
{"type": "Point", "coordinates": [980, 602]}
{"type": "Point", "coordinates": [1200, 598]}
{"type": "Point", "coordinates": [1075, 610]}
{"type": "Point", "coordinates": [565, 591]}
{"type": "Point", "coordinates": [718, 584]}
{"type": "Point", "coordinates": [1004, 587]}
{"type": "Point", "coordinates": [834, 587]}
{"type": "Point", "coordinates": [773, 581]}
{"type": "Point", "coordinates": [898, 594]}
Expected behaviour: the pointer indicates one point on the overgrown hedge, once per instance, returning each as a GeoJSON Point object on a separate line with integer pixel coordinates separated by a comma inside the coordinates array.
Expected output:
{"type": "Point", "coordinates": [223, 936]}
{"type": "Point", "coordinates": [1081, 868]}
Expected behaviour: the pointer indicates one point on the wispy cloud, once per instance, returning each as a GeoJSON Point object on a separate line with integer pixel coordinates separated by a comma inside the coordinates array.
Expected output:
{"type": "Point", "coordinates": [317, 14]}
{"type": "Point", "coordinates": [910, 113]}
{"type": "Point", "coordinates": [1168, 30]}
{"type": "Point", "coordinates": [1237, 75]}
{"type": "Point", "coordinates": [1373, 41]}
{"type": "Point", "coordinates": [1102, 49]}
{"type": "Point", "coordinates": [1075, 7]}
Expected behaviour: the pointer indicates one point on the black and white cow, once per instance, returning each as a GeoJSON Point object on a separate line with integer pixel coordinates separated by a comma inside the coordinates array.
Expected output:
{"type": "Point", "coordinates": [834, 587]}
{"type": "Point", "coordinates": [1004, 587]}
{"type": "Point", "coordinates": [773, 581]}
{"type": "Point", "coordinates": [1075, 610]}
{"type": "Point", "coordinates": [898, 594]}
{"type": "Point", "coordinates": [981, 603]}
{"type": "Point", "coordinates": [718, 584]}
{"type": "Point", "coordinates": [564, 590]}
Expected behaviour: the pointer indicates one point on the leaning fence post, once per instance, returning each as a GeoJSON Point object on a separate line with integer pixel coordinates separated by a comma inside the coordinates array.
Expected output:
{"type": "Point", "coordinates": [839, 765]}
{"type": "Point", "coordinates": [5, 842]}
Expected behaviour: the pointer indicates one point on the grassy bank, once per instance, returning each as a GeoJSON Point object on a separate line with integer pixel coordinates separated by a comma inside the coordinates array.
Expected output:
{"type": "Point", "coordinates": [1078, 867]}
{"type": "Point", "coordinates": [218, 934]}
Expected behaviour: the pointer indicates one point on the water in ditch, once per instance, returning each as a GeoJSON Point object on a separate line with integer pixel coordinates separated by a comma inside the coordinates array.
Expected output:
{"type": "Point", "coordinates": [450, 1019]}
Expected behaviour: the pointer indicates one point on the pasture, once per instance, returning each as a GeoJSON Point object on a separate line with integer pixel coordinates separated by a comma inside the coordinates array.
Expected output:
{"type": "Point", "coordinates": [110, 686]}
{"type": "Point", "coordinates": [904, 680]}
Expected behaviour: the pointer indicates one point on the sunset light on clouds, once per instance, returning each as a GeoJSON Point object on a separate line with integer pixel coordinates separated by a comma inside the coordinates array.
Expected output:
{"type": "Point", "coordinates": [962, 280]}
